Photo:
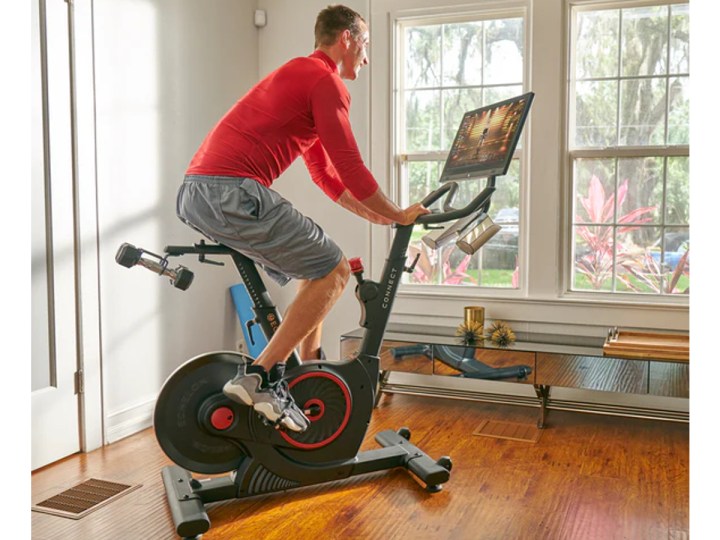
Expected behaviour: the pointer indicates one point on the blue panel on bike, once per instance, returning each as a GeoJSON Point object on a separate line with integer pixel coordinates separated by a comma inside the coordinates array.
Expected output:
{"type": "Point", "coordinates": [253, 334]}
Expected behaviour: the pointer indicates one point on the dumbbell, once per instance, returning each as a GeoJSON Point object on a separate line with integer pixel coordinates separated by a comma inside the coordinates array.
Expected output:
{"type": "Point", "coordinates": [129, 256]}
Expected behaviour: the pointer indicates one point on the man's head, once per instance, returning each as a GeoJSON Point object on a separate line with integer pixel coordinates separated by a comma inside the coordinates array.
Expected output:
{"type": "Point", "coordinates": [342, 31]}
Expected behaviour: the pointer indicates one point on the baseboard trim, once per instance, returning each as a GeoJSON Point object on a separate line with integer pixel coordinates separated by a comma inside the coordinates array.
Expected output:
{"type": "Point", "coordinates": [626, 410]}
{"type": "Point", "coordinates": [129, 421]}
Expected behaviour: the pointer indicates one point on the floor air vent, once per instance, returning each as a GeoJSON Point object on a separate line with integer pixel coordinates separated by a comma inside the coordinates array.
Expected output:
{"type": "Point", "coordinates": [509, 430]}
{"type": "Point", "coordinates": [79, 501]}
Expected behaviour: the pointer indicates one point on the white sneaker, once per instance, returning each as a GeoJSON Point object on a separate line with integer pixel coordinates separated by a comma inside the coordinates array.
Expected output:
{"type": "Point", "coordinates": [273, 401]}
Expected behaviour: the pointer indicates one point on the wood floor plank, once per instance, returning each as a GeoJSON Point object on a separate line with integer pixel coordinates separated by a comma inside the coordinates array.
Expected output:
{"type": "Point", "coordinates": [587, 477]}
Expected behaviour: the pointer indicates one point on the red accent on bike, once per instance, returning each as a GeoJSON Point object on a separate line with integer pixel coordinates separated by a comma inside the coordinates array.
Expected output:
{"type": "Point", "coordinates": [346, 416]}
{"type": "Point", "coordinates": [356, 265]}
{"type": "Point", "coordinates": [319, 404]}
{"type": "Point", "coordinates": [222, 418]}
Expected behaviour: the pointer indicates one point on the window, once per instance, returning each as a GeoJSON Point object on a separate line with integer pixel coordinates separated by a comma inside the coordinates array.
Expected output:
{"type": "Point", "coordinates": [629, 149]}
{"type": "Point", "coordinates": [445, 68]}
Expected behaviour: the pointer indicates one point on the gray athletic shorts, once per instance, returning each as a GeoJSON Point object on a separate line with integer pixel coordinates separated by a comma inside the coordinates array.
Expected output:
{"type": "Point", "coordinates": [243, 214]}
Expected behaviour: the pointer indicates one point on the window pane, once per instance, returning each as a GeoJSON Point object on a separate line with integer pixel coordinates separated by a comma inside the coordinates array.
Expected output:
{"type": "Point", "coordinates": [679, 113]}
{"type": "Point", "coordinates": [462, 54]}
{"type": "Point", "coordinates": [500, 258]}
{"type": "Point", "coordinates": [640, 190]}
{"type": "Point", "coordinates": [677, 197]}
{"type": "Point", "coordinates": [426, 269]}
{"type": "Point", "coordinates": [467, 191]}
{"type": "Point", "coordinates": [423, 177]}
{"type": "Point", "coordinates": [596, 52]}
{"type": "Point", "coordinates": [500, 93]}
{"type": "Point", "coordinates": [676, 260]}
{"type": "Point", "coordinates": [422, 120]}
{"type": "Point", "coordinates": [458, 268]}
{"type": "Point", "coordinates": [503, 62]}
{"type": "Point", "coordinates": [642, 112]}
{"type": "Point", "coordinates": [500, 255]}
{"type": "Point", "coordinates": [507, 191]}
{"type": "Point", "coordinates": [595, 190]}
{"type": "Point", "coordinates": [596, 114]}
{"type": "Point", "coordinates": [679, 39]}
{"type": "Point", "coordinates": [637, 268]}
{"type": "Point", "coordinates": [456, 103]}
{"type": "Point", "coordinates": [593, 256]}
{"type": "Point", "coordinates": [446, 266]}
{"type": "Point", "coordinates": [422, 63]}
{"type": "Point", "coordinates": [644, 41]}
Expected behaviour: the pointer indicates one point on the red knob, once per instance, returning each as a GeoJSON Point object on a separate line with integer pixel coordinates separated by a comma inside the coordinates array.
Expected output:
{"type": "Point", "coordinates": [222, 418]}
{"type": "Point", "coordinates": [356, 265]}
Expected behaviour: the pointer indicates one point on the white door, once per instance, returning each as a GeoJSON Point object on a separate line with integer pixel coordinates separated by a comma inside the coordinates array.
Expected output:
{"type": "Point", "coordinates": [55, 408]}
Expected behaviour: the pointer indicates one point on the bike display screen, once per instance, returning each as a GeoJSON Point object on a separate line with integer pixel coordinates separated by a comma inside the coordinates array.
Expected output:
{"type": "Point", "coordinates": [486, 139]}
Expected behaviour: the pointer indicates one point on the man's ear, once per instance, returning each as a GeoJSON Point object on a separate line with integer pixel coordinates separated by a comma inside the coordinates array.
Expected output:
{"type": "Point", "coordinates": [346, 37]}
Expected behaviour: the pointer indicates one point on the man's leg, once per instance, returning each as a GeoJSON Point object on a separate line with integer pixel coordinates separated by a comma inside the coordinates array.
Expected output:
{"type": "Point", "coordinates": [303, 320]}
{"type": "Point", "coordinates": [252, 386]}
{"type": "Point", "coordinates": [309, 348]}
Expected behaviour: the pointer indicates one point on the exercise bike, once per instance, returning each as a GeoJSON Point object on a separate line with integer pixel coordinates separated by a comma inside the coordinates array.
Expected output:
{"type": "Point", "coordinates": [204, 432]}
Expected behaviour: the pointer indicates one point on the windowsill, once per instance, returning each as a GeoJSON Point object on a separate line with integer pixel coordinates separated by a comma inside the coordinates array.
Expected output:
{"type": "Point", "coordinates": [567, 299]}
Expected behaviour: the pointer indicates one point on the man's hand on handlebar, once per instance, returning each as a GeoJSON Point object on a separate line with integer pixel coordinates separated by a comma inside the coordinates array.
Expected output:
{"type": "Point", "coordinates": [411, 213]}
{"type": "Point", "coordinates": [378, 203]}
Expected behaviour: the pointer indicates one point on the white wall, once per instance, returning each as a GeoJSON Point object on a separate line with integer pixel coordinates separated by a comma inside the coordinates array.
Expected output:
{"type": "Point", "coordinates": [166, 70]}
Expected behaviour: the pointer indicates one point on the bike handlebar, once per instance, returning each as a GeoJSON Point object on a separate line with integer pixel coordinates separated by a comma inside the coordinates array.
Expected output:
{"type": "Point", "coordinates": [450, 213]}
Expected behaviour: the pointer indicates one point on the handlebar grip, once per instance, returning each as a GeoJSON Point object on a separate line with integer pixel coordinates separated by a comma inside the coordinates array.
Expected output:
{"type": "Point", "coordinates": [435, 195]}
{"type": "Point", "coordinates": [441, 217]}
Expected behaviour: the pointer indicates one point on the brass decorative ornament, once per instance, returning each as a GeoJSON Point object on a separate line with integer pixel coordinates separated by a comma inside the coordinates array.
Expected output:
{"type": "Point", "coordinates": [470, 332]}
{"type": "Point", "coordinates": [501, 334]}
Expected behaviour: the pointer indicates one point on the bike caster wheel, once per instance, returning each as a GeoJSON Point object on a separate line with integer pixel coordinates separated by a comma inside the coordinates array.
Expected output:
{"type": "Point", "coordinates": [404, 433]}
{"type": "Point", "coordinates": [445, 462]}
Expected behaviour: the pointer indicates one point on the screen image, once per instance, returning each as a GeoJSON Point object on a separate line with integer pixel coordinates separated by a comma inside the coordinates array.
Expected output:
{"type": "Point", "coordinates": [486, 139]}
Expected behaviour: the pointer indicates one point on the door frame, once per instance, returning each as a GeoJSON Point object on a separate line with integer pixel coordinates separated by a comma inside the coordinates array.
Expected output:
{"type": "Point", "coordinates": [80, 324]}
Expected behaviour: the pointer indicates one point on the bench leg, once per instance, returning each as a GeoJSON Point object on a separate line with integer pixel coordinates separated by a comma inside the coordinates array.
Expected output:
{"type": "Point", "coordinates": [543, 392]}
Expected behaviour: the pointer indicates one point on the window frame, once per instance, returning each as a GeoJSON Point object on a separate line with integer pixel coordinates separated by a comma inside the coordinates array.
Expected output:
{"type": "Point", "coordinates": [400, 158]}
{"type": "Point", "coordinates": [609, 152]}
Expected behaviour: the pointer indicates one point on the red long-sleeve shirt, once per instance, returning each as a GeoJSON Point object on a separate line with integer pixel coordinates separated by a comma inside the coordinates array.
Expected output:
{"type": "Point", "coordinates": [302, 108]}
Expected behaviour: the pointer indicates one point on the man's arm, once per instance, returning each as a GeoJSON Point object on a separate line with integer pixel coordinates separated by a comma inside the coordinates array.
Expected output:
{"type": "Point", "coordinates": [376, 208]}
{"type": "Point", "coordinates": [336, 141]}
{"type": "Point", "coordinates": [347, 201]}
{"type": "Point", "coordinates": [380, 204]}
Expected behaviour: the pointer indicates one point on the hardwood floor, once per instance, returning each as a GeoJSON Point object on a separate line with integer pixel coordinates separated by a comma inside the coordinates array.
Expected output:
{"type": "Point", "coordinates": [588, 477]}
